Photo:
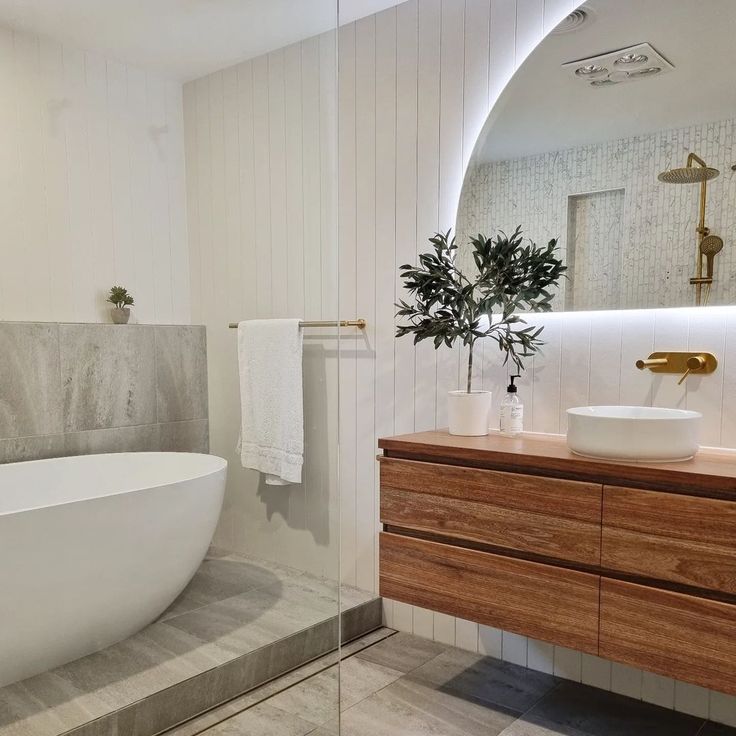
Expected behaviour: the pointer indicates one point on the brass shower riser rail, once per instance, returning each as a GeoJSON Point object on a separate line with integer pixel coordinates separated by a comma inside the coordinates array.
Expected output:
{"type": "Point", "coordinates": [359, 323]}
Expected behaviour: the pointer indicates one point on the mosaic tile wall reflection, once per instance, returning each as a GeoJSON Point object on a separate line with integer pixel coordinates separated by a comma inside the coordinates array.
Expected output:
{"type": "Point", "coordinates": [656, 251]}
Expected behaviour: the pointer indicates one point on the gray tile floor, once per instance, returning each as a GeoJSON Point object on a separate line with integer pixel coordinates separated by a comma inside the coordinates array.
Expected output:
{"type": "Point", "coordinates": [407, 686]}
{"type": "Point", "coordinates": [233, 606]}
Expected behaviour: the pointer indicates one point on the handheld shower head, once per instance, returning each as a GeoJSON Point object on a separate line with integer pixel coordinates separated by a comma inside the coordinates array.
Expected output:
{"type": "Point", "coordinates": [710, 246]}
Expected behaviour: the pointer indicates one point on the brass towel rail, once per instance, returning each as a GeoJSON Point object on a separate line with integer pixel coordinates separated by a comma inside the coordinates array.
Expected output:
{"type": "Point", "coordinates": [359, 323]}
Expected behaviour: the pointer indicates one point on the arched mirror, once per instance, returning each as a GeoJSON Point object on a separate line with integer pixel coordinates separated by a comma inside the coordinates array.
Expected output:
{"type": "Point", "coordinates": [617, 136]}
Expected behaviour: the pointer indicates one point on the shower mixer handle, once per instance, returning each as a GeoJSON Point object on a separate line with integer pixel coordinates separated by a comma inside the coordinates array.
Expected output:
{"type": "Point", "coordinates": [694, 364]}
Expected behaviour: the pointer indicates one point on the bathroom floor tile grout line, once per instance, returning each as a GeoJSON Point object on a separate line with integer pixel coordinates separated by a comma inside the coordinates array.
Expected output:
{"type": "Point", "coordinates": [286, 688]}
{"type": "Point", "coordinates": [538, 700]}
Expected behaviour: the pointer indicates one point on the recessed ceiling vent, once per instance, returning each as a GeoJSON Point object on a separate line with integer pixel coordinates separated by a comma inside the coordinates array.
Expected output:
{"type": "Point", "coordinates": [572, 22]}
{"type": "Point", "coordinates": [631, 64]}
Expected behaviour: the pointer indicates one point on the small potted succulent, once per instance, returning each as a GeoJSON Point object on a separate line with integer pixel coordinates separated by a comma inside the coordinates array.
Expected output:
{"type": "Point", "coordinates": [122, 301]}
{"type": "Point", "coordinates": [512, 275]}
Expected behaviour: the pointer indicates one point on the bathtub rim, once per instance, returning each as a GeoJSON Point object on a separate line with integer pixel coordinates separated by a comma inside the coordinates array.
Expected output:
{"type": "Point", "coordinates": [220, 464]}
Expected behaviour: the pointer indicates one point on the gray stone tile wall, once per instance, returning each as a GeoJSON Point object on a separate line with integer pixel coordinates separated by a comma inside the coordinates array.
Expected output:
{"type": "Point", "coordinates": [77, 389]}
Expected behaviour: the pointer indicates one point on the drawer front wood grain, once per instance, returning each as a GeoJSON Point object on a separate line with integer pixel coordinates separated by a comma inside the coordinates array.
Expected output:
{"type": "Point", "coordinates": [681, 636]}
{"type": "Point", "coordinates": [683, 539]}
{"type": "Point", "coordinates": [544, 516]}
{"type": "Point", "coordinates": [549, 603]}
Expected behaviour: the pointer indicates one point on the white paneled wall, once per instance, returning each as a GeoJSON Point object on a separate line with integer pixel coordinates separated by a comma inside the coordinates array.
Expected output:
{"type": "Point", "coordinates": [261, 150]}
{"type": "Point", "coordinates": [91, 185]}
{"type": "Point", "coordinates": [415, 84]}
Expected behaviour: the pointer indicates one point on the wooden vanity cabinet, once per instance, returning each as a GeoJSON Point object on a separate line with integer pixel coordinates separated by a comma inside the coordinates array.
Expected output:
{"type": "Point", "coordinates": [635, 563]}
{"type": "Point", "coordinates": [525, 597]}
{"type": "Point", "coordinates": [665, 536]}
{"type": "Point", "coordinates": [676, 634]}
{"type": "Point", "coordinates": [528, 513]}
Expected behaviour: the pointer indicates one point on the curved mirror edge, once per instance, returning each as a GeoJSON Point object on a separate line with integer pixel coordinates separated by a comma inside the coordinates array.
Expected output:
{"type": "Point", "coordinates": [613, 170]}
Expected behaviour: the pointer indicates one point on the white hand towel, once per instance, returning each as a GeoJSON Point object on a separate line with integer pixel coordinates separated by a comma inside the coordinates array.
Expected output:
{"type": "Point", "coordinates": [271, 398]}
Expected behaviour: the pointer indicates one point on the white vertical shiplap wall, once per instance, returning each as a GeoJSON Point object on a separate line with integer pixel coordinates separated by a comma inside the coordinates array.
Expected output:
{"type": "Point", "coordinates": [417, 82]}
{"type": "Point", "coordinates": [92, 186]}
{"type": "Point", "coordinates": [261, 152]}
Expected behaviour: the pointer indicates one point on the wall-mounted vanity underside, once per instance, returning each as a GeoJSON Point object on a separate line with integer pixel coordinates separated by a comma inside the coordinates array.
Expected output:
{"type": "Point", "coordinates": [632, 562]}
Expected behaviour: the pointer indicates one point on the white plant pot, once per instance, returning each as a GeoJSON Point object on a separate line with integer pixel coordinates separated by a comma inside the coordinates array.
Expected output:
{"type": "Point", "coordinates": [120, 316]}
{"type": "Point", "coordinates": [469, 414]}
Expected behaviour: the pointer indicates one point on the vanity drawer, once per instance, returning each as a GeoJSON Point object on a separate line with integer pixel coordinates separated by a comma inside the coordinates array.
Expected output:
{"type": "Point", "coordinates": [544, 516]}
{"type": "Point", "coordinates": [549, 603]}
{"type": "Point", "coordinates": [677, 635]}
{"type": "Point", "coordinates": [683, 539]}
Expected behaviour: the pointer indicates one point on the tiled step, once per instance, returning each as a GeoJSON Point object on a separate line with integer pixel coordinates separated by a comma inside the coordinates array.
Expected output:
{"type": "Point", "coordinates": [239, 624]}
{"type": "Point", "coordinates": [164, 709]}
{"type": "Point", "coordinates": [298, 677]}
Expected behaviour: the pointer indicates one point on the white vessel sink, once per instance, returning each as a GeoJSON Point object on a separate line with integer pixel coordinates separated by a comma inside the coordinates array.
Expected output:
{"type": "Point", "coordinates": [646, 434]}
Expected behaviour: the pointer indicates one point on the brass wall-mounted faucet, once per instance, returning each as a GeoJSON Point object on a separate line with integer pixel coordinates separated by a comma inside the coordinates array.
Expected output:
{"type": "Point", "coordinates": [686, 364]}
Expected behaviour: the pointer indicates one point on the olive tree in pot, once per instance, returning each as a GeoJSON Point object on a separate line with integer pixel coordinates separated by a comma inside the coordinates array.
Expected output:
{"type": "Point", "coordinates": [512, 276]}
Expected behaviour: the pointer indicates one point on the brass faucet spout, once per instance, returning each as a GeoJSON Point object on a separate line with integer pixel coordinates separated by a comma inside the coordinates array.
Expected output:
{"type": "Point", "coordinates": [651, 362]}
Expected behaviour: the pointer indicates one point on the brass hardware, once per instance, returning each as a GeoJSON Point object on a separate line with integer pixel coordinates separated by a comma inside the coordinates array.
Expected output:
{"type": "Point", "coordinates": [359, 323]}
{"type": "Point", "coordinates": [651, 362]}
{"type": "Point", "coordinates": [708, 245]}
{"type": "Point", "coordinates": [694, 364]}
{"type": "Point", "coordinates": [686, 364]}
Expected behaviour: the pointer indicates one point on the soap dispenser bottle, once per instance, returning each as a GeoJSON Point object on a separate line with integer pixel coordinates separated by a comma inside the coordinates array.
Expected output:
{"type": "Point", "coordinates": [512, 411]}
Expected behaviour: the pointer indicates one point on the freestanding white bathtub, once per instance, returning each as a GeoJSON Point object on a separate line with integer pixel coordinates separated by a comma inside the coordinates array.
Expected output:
{"type": "Point", "coordinates": [94, 548]}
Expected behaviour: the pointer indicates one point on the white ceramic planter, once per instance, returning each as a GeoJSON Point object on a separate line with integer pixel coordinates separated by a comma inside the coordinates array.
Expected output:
{"type": "Point", "coordinates": [469, 414]}
{"type": "Point", "coordinates": [120, 316]}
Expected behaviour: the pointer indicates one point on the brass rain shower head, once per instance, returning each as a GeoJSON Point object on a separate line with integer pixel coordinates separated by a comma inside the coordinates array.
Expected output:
{"type": "Point", "coordinates": [691, 174]}
{"type": "Point", "coordinates": [688, 175]}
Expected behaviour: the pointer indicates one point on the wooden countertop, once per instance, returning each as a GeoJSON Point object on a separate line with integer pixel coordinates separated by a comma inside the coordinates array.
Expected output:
{"type": "Point", "coordinates": [711, 472]}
